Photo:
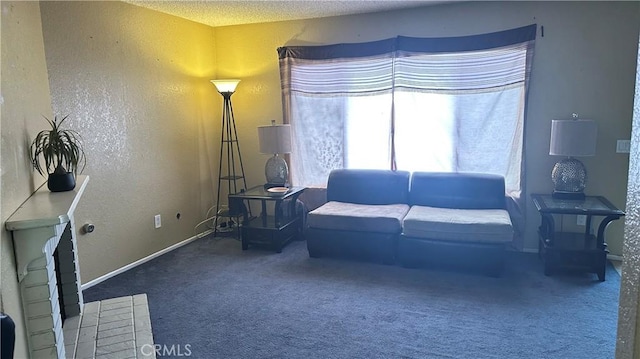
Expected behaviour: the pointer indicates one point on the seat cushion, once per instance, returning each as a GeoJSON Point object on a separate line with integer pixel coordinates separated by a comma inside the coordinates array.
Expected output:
{"type": "Point", "coordinates": [468, 225]}
{"type": "Point", "coordinates": [382, 218]}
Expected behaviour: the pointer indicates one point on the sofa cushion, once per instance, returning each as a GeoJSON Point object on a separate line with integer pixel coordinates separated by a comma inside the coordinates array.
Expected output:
{"type": "Point", "coordinates": [468, 225]}
{"type": "Point", "coordinates": [386, 218]}
{"type": "Point", "coordinates": [368, 186]}
{"type": "Point", "coordinates": [457, 190]}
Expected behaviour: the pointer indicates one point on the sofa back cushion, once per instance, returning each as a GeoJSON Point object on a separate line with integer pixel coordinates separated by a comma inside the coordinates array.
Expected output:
{"type": "Point", "coordinates": [457, 190]}
{"type": "Point", "coordinates": [368, 186]}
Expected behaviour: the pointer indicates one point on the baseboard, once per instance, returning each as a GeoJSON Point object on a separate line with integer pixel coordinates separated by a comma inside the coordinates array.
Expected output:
{"type": "Point", "coordinates": [101, 279]}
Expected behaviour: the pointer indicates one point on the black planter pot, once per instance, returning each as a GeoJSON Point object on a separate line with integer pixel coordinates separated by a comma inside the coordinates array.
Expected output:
{"type": "Point", "coordinates": [7, 336]}
{"type": "Point", "coordinates": [61, 182]}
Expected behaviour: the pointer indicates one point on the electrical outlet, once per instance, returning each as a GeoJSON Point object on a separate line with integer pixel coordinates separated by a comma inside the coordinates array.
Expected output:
{"type": "Point", "coordinates": [623, 146]}
{"type": "Point", "coordinates": [581, 220]}
{"type": "Point", "coordinates": [158, 221]}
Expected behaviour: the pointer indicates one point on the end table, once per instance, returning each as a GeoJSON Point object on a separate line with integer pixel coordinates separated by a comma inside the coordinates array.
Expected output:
{"type": "Point", "coordinates": [584, 251]}
{"type": "Point", "coordinates": [276, 230]}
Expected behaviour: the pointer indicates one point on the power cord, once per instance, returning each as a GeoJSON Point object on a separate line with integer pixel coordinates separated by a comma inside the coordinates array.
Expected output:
{"type": "Point", "coordinates": [222, 226]}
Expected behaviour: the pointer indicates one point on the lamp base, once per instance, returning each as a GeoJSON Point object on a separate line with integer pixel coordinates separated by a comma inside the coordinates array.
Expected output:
{"type": "Point", "coordinates": [276, 171]}
{"type": "Point", "coordinates": [575, 196]}
{"type": "Point", "coordinates": [569, 176]}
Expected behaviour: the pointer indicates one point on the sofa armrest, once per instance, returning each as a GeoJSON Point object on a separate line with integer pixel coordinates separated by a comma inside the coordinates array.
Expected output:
{"type": "Point", "coordinates": [368, 186]}
{"type": "Point", "coordinates": [457, 190]}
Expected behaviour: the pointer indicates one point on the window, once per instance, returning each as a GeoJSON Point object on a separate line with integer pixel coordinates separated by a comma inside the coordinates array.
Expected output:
{"type": "Point", "coordinates": [416, 104]}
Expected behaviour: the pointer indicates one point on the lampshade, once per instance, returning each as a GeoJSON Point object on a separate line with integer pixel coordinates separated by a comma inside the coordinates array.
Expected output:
{"type": "Point", "coordinates": [228, 85]}
{"type": "Point", "coordinates": [274, 139]}
{"type": "Point", "coordinates": [573, 138]}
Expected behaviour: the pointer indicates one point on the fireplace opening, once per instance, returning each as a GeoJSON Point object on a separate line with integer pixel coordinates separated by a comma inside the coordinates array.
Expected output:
{"type": "Point", "coordinates": [56, 259]}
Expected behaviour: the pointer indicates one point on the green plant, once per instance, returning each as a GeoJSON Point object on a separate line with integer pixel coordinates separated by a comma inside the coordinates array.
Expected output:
{"type": "Point", "coordinates": [61, 150]}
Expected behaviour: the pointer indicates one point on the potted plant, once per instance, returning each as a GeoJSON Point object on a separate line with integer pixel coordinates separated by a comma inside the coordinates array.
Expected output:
{"type": "Point", "coordinates": [62, 153]}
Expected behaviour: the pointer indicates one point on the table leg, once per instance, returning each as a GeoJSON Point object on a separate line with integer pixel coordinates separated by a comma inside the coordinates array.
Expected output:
{"type": "Point", "coordinates": [547, 262]}
{"type": "Point", "coordinates": [601, 245]}
{"type": "Point", "coordinates": [601, 228]}
{"type": "Point", "coordinates": [263, 215]}
{"type": "Point", "coordinates": [601, 273]}
{"type": "Point", "coordinates": [237, 208]}
{"type": "Point", "coordinates": [277, 212]}
{"type": "Point", "coordinates": [546, 231]}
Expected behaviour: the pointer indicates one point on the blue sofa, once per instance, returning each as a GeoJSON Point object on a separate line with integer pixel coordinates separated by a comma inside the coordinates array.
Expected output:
{"type": "Point", "coordinates": [422, 219]}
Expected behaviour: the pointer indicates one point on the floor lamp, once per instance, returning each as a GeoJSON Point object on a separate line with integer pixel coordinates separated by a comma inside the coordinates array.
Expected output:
{"type": "Point", "coordinates": [229, 151]}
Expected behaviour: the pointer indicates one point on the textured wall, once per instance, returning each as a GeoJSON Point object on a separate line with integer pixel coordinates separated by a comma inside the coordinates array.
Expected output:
{"type": "Point", "coordinates": [628, 345]}
{"type": "Point", "coordinates": [24, 100]}
{"type": "Point", "coordinates": [585, 63]}
{"type": "Point", "coordinates": [136, 84]}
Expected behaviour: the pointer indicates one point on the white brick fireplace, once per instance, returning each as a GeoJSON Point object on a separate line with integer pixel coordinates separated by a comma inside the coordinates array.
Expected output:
{"type": "Point", "coordinates": [49, 285]}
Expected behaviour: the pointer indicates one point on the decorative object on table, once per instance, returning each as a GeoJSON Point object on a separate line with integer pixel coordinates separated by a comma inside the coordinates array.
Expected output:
{"type": "Point", "coordinates": [230, 158]}
{"type": "Point", "coordinates": [571, 138]}
{"type": "Point", "coordinates": [278, 191]}
{"type": "Point", "coordinates": [275, 140]}
{"type": "Point", "coordinates": [63, 155]}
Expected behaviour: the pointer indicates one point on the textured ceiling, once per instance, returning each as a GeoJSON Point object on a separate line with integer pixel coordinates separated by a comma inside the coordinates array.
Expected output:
{"type": "Point", "coordinates": [224, 13]}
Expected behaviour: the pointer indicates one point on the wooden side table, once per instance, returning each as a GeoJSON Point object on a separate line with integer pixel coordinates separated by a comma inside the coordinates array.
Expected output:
{"type": "Point", "coordinates": [584, 251]}
{"type": "Point", "coordinates": [274, 231]}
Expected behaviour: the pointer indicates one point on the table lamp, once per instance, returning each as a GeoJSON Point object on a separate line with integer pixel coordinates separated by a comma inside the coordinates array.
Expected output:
{"type": "Point", "coordinates": [571, 138]}
{"type": "Point", "coordinates": [275, 140]}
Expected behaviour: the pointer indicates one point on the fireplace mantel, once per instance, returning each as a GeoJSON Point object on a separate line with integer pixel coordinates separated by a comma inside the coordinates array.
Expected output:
{"type": "Point", "coordinates": [39, 218]}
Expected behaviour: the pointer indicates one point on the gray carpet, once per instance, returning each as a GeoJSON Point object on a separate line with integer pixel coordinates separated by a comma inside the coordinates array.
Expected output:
{"type": "Point", "coordinates": [214, 300]}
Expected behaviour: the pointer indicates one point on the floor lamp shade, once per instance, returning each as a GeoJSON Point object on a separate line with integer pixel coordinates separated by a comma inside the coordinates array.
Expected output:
{"type": "Point", "coordinates": [275, 140]}
{"type": "Point", "coordinates": [226, 86]}
{"type": "Point", "coordinates": [571, 138]}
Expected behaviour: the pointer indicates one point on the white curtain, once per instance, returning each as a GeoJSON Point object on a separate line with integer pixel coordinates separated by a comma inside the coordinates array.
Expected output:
{"type": "Point", "coordinates": [341, 111]}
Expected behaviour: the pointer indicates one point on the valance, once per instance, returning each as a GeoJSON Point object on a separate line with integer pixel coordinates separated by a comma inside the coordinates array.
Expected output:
{"type": "Point", "coordinates": [410, 44]}
{"type": "Point", "coordinates": [477, 63]}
